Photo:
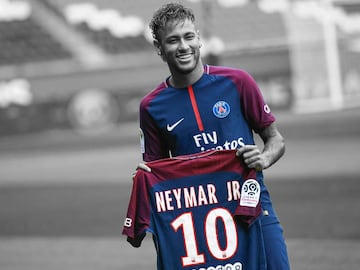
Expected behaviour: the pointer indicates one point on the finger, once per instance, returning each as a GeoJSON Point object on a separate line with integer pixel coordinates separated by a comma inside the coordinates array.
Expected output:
{"type": "Point", "coordinates": [245, 149]}
{"type": "Point", "coordinates": [242, 150]}
{"type": "Point", "coordinates": [239, 152]}
{"type": "Point", "coordinates": [257, 165]}
{"type": "Point", "coordinates": [251, 159]}
{"type": "Point", "coordinates": [144, 167]}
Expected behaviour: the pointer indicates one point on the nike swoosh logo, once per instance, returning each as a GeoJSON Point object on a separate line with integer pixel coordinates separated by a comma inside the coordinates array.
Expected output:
{"type": "Point", "coordinates": [171, 127]}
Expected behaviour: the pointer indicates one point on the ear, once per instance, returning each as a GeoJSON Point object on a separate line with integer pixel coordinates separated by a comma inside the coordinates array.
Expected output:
{"type": "Point", "coordinates": [157, 46]}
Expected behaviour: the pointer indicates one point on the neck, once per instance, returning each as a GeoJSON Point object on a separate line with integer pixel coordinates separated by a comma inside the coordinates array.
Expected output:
{"type": "Point", "coordinates": [180, 80]}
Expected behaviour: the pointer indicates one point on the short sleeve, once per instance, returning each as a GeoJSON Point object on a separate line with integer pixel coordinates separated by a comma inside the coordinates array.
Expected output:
{"type": "Point", "coordinates": [256, 111]}
{"type": "Point", "coordinates": [152, 142]}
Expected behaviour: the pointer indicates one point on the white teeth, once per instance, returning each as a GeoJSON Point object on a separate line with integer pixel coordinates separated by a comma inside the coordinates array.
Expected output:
{"type": "Point", "coordinates": [184, 56]}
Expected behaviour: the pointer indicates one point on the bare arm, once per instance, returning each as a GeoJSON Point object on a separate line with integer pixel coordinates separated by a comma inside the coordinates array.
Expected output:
{"type": "Point", "coordinates": [274, 148]}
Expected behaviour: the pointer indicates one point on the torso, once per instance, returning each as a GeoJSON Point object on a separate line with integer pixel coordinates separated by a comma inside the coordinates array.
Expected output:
{"type": "Point", "coordinates": [213, 119]}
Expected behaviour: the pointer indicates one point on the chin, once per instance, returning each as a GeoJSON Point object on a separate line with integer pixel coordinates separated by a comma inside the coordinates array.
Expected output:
{"type": "Point", "coordinates": [186, 68]}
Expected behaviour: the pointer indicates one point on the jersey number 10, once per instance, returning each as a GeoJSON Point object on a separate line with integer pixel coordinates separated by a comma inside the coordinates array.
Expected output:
{"type": "Point", "coordinates": [193, 256]}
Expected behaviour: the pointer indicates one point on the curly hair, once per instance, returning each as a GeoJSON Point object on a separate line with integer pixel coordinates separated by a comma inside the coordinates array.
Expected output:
{"type": "Point", "coordinates": [168, 13]}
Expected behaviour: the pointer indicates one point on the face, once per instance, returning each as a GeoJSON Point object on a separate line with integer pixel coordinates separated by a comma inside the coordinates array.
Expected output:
{"type": "Point", "coordinates": [180, 47]}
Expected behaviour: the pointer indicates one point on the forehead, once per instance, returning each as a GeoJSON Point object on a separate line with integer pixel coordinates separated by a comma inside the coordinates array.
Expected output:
{"type": "Point", "coordinates": [178, 27]}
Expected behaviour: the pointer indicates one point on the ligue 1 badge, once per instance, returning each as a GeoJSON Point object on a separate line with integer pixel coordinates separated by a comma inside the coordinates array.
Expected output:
{"type": "Point", "coordinates": [250, 193]}
{"type": "Point", "coordinates": [221, 109]}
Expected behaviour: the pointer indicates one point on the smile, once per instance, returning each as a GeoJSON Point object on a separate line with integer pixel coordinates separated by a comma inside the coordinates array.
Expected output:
{"type": "Point", "coordinates": [186, 56]}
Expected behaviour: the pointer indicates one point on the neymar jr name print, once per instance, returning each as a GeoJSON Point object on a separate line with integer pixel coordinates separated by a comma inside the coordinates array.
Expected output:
{"type": "Point", "coordinates": [196, 196]}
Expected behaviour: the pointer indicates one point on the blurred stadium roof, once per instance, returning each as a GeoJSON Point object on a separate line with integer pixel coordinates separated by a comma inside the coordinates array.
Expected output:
{"type": "Point", "coordinates": [91, 33]}
{"type": "Point", "coordinates": [61, 47]}
{"type": "Point", "coordinates": [245, 26]}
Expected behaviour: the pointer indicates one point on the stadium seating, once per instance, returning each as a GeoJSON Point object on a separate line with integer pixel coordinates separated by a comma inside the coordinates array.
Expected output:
{"type": "Point", "coordinates": [105, 26]}
{"type": "Point", "coordinates": [266, 28]}
{"type": "Point", "coordinates": [112, 44]}
{"type": "Point", "coordinates": [22, 40]}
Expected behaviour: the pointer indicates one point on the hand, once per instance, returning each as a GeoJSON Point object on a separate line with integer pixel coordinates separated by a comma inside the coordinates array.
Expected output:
{"type": "Point", "coordinates": [252, 157]}
{"type": "Point", "coordinates": [141, 166]}
{"type": "Point", "coordinates": [144, 167]}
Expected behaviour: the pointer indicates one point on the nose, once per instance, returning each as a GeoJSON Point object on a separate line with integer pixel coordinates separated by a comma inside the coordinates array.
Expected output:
{"type": "Point", "coordinates": [183, 45]}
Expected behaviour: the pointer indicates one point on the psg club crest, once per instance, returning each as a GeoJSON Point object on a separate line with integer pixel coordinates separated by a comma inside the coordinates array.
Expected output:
{"type": "Point", "coordinates": [221, 109]}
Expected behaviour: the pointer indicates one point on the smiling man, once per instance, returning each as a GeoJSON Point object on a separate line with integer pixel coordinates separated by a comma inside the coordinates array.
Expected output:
{"type": "Point", "coordinates": [178, 43]}
{"type": "Point", "coordinates": [199, 108]}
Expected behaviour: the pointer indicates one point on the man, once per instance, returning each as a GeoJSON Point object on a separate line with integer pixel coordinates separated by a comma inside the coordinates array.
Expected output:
{"type": "Point", "coordinates": [201, 107]}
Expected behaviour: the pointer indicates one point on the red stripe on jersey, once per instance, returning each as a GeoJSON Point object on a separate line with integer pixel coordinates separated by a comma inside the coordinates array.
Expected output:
{"type": "Point", "coordinates": [195, 108]}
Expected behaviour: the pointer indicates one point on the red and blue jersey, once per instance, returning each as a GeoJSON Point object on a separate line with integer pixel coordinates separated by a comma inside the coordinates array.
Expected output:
{"type": "Point", "coordinates": [220, 111]}
{"type": "Point", "coordinates": [202, 211]}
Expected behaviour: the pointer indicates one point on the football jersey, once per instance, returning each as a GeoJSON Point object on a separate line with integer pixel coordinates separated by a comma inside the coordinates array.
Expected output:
{"type": "Point", "coordinates": [202, 211]}
{"type": "Point", "coordinates": [220, 111]}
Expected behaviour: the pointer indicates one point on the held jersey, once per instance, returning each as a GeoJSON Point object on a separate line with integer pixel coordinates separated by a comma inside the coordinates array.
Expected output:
{"type": "Point", "coordinates": [219, 111]}
{"type": "Point", "coordinates": [202, 211]}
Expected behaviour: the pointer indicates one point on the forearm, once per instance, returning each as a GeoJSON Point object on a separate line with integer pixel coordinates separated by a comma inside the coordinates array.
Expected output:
{"type": "Point", "coordinates": [274, 145]}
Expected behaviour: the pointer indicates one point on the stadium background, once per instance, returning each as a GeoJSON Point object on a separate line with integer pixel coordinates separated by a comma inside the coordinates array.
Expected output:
{"type": "Point", "coordinates": [86, 64]}
{"type": "Point", "coordinates": [70, 85]}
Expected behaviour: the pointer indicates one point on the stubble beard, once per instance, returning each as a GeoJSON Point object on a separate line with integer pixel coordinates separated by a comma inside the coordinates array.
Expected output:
{"type": "Point", "coordinates": [187, 68]}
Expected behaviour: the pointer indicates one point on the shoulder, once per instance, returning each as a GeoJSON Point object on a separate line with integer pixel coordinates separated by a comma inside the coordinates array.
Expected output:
{"type": "Point", "coordinates": [238, 75]}
{"type": "Point", "coordinates": [146, 100]}
{"type": "Point", "coordinates": [226, 71]}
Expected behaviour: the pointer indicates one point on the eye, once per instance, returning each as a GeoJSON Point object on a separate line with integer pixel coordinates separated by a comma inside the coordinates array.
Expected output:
{"type": "Point", "coordinates": [190, 36]}
{"type": "Point", "coordinates": [172, 40]}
